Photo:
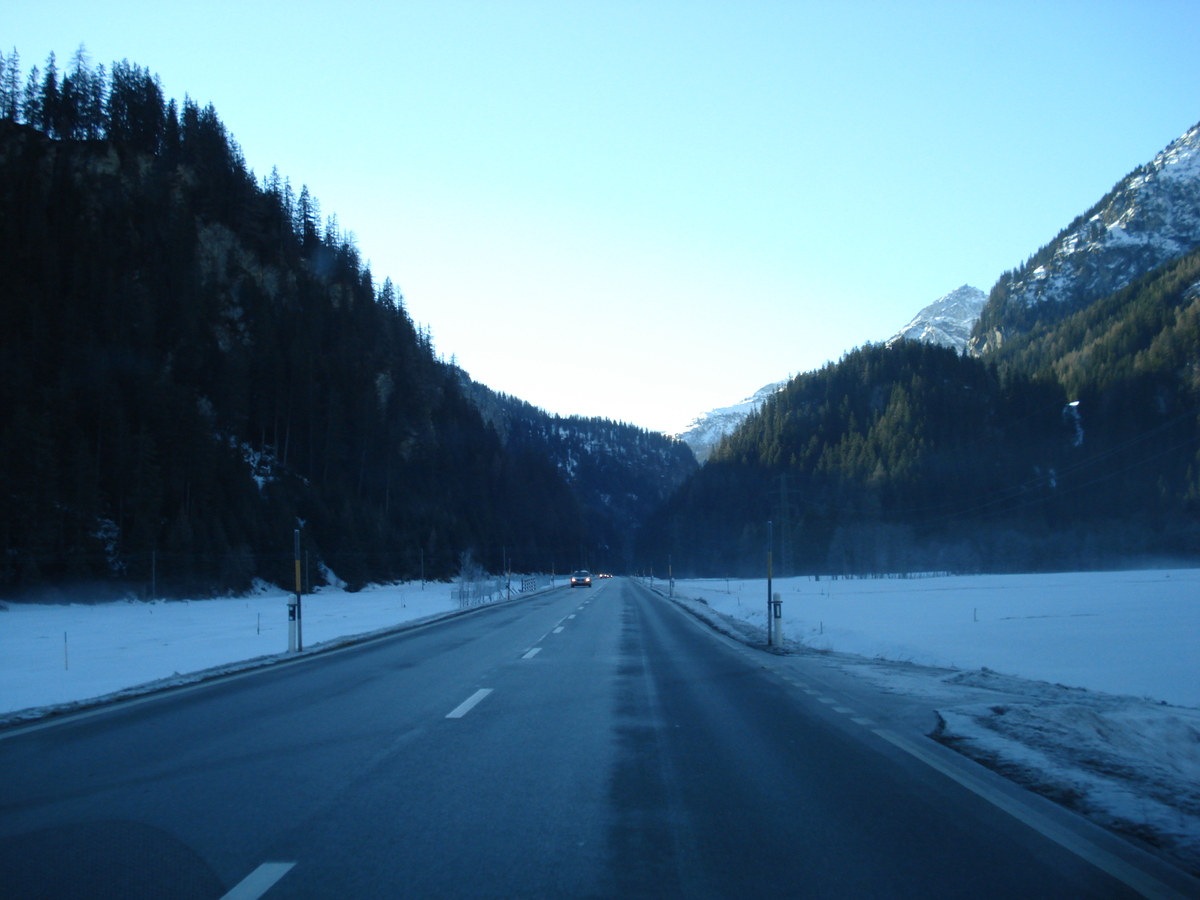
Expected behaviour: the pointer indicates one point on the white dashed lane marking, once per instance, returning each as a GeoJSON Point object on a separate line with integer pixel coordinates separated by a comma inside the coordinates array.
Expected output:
{"type": "Point", "coordinates": [467, 705]}
{"type": "Point", "coordinates": [532, 653]}
{"type": "Point", "coordinates": [259, 881]}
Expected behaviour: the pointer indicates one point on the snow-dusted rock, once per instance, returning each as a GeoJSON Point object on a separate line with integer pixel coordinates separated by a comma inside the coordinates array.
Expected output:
{"type": "Point", "coordinates": [948, 320]}
{"type": "Point", "coordinates": [1150, 217]}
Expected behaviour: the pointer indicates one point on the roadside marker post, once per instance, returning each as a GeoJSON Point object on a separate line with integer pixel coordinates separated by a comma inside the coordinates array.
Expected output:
{"type": "Point", "coordinates": [295, 634]}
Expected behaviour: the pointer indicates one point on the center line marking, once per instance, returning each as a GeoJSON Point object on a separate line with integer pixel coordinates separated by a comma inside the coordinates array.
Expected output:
{"type": "Point", "coordinates": [571, 616]}
{"type": "Point", "coordinates": [467, 705]}
{"type": "Point", "coordinates": [558, 629]}
{"type": "Point", "coordinates": [532, 653]}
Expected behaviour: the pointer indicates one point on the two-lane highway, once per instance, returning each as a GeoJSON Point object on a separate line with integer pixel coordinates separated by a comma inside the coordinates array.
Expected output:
{"type": "Point", "coordinates": [583, 743]}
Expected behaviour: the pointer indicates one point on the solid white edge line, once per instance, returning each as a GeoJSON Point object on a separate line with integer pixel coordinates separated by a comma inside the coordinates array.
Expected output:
{"type": "Point", "coordinates": [532, 653]}
{"type": "Point", "coordinates": [1130, 875]}
{"type": "Point", "coordinates": [467, 705]}
{"type": "Point", "coordinates": [259, 881]}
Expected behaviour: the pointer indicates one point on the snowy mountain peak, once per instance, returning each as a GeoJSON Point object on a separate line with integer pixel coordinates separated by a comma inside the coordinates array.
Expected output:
{"type": "Point", "coordinates": [946, 321]}
{"type": "Point", "coordinates": [708, 428]}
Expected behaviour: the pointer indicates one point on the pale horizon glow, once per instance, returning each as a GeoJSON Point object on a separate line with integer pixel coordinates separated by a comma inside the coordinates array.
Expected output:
{"type": "Point", "coordinates": [685, 200]}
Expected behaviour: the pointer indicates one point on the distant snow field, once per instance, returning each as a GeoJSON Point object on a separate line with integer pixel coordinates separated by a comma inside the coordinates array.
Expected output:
{"type": "Point", "coordinates": [1085, 686]}
{"type": "Point", "coordinates": [1135, 633]}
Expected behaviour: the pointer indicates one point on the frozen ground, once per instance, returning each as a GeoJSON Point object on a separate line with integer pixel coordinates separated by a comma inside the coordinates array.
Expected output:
{"type": "Point", "coordinates": [1085, 687]}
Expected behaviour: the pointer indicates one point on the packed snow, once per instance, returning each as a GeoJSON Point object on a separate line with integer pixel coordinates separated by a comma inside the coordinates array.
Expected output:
{"type": "Point", "coordinates": [1083, 686]}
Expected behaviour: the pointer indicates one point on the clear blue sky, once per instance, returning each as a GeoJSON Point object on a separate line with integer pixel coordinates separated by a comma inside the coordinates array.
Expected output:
{"type": "Point", "coordinates": [644, 210]}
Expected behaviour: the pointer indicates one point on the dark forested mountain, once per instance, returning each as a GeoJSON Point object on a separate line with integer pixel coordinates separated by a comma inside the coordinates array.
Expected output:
{"type": "Point", "coordinates": [194, 364]}
{"type": "Point", "coordinates": [947, 321]}
{"type": "Point", "coordinates": [885, 460]}
{"type": "Point", "coordinates": [621, 473]}
{"type": "Point", "coordinates": [1070, 439]}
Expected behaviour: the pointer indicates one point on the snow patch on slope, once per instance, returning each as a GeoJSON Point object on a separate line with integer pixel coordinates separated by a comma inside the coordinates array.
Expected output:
{"type": "Point", "coordinates": [946, 321]}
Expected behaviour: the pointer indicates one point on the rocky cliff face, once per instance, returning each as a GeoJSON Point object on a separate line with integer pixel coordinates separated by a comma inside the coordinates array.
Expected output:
{"type": "Point", "coordinates": [1151, 217]}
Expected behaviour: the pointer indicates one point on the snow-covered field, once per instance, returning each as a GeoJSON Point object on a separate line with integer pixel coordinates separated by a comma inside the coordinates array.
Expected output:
{"type": "Point", "coordinates": [1085, 686]}
{"type": "Point", "coordinates": [1134, 633]}
{"type": "Point", "coordinates": [55, 655]}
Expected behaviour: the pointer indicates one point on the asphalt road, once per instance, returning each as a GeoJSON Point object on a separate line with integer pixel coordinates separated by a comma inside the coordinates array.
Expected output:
{"type": "Point", "coordinates": [582, 743]}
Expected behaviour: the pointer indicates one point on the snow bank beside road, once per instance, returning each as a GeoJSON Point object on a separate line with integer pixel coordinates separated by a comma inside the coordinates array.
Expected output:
{"type": "Point", "coordinates": [1083, 714]}
{"type": "Point", "coordinates": [112, 647]}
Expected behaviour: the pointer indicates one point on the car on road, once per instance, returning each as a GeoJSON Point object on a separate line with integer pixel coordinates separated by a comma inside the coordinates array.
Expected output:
{"type": "Point", "coordinates": [582, 578]}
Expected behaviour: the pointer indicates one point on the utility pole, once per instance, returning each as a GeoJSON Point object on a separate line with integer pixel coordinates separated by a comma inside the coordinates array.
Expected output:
{"type": "Point", "coordinates": [770, 543]}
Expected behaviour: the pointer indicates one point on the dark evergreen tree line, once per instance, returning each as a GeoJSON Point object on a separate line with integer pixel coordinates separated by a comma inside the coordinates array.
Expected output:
{"type": "Point", "coordinates": [912, 457]}
{"type": "Point", "coordinates": [621, 473]}
{"type": "Point", "coordinates": [169, 327]}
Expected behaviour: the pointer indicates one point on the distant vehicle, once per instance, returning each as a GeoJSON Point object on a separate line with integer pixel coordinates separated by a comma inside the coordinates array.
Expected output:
{"type": "Point", "coordinates": [582, 578]}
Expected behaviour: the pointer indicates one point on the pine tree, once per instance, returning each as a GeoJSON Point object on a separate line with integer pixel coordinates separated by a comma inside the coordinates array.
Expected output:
{"type": "Point", "coordinates": [31, 99]}
{"type": "Point", "coordinates": [49, 107]}
{"type": "Point", "coordinates": [12, 88]}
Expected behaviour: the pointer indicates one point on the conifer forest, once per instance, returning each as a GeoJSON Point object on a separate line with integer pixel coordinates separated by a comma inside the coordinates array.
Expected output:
{"type": "Point", "coordinates": [196, 363]}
